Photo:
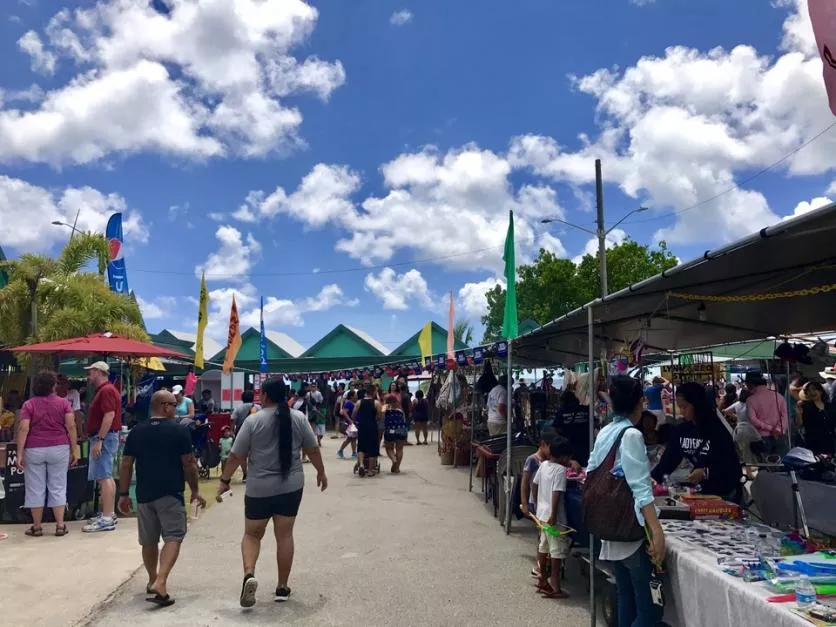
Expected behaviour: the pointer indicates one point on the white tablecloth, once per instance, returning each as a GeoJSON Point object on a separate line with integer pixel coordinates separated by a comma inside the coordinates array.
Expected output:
{"type": "Point", "coordinates": [699, 594]}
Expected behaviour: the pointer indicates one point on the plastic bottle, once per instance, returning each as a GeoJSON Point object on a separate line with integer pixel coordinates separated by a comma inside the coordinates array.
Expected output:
{"type": "Point", "coordinates": [196, 508]}
{"type": "Point", "coordinates": [805, 593]}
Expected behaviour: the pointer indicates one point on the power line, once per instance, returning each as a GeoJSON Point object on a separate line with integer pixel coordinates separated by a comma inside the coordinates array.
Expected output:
{"type": "Point", "coordinates": [331, 271]}
{"type": "Point", "coordinates": [741, 183]}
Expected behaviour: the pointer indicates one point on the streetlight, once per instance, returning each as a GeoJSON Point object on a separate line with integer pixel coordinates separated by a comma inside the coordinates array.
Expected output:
{"type": "Point", "coordinates": [69, 226]}
{"type": "Point", "coordinates": [601, 234]}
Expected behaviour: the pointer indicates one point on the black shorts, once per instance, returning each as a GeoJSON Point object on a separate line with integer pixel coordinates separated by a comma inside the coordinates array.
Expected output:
{"type": "Point", "coordinates": [287, 504]}
{"type": "Point", "coordinates": [391, 438]}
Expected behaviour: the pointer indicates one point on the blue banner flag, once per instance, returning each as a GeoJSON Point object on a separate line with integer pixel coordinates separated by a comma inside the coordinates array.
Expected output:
{"type": "Point", "coordinates": [116, 274]}
{"type": "Point", "coordinates": [262, 350]}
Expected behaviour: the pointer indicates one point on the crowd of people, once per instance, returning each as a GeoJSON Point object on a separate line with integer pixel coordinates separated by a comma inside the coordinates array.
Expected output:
{"type": "Point", "coordinates": [368, 417]}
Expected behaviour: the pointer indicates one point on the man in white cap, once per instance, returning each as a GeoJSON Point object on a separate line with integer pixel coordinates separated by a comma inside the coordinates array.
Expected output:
{"type": "Point", "coordinates": [104, 421]}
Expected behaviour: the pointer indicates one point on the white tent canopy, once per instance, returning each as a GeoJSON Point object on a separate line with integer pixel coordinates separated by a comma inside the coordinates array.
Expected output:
{"type": "Point", "coordinates": [719, 297]}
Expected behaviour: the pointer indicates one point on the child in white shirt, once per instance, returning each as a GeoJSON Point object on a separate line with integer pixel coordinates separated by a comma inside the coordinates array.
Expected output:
{"type": "Point", "coordinates": [548, 488]}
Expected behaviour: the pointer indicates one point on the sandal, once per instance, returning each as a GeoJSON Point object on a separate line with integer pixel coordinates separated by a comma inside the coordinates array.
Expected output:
{"type": "Point", "coordinates": [559, 594]}
{"type": "Point", "coordinates": [35, 532]}
{"type": "Point", "coordinates": [61, 531]}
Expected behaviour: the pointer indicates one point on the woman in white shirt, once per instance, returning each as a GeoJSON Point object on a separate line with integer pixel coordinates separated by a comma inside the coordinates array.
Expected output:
{"type": "Point", "coordinates": [498, 407]}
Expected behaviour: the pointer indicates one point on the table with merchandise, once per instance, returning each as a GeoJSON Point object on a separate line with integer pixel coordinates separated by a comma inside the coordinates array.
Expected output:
{"type": "Point", "coordinates": [722, 572]}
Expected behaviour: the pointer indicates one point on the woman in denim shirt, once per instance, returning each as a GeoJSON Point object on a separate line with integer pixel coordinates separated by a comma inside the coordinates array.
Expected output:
{"type": "Point", "coordinates": [632, 561]}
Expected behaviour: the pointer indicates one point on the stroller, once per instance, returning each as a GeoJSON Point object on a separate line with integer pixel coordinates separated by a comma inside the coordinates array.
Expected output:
{"type": "Point", "coordinates": [206, 452]}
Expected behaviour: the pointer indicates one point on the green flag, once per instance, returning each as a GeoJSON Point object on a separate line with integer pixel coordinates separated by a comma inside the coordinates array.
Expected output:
{"type": "Point", "coordinates": [510, 328]}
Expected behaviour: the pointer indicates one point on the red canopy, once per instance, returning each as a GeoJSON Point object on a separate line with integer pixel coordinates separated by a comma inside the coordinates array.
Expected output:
{"type": "Point", "coordinates": [100, 344]}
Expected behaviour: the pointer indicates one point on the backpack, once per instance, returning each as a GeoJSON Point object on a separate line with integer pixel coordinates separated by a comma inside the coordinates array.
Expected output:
{"type": "Point", "coordinates": [608, 506]}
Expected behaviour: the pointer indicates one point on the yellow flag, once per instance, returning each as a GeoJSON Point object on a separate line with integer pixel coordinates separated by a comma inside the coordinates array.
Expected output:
{"type": "Point", "coordinates": [425, 342]}
{"type": "Point", "coordinates": [202, 313]}
{"type": "Point", "coordinates": [233, 342]}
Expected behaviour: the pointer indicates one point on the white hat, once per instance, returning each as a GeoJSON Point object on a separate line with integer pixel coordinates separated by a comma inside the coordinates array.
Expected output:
{"type": "Point", "coordinates": [99, 365]}
{"type": "Point", "coordinates": [177, 389]}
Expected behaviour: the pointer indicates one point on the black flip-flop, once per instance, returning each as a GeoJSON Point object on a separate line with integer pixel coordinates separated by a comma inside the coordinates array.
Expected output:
{"type": "Point", "coordinates": [160, 600]}
{"type": "Point", "coordinates": [148, 591]}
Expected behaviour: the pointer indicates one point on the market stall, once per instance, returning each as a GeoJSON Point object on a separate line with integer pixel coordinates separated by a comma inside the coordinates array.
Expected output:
{"type": "Point", "coordinates": [80, 491]}
{"type": "Point", "coordinates": [778, 282]}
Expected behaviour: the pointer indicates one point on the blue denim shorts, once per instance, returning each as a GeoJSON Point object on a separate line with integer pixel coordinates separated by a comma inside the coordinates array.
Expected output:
{"type": "Point", "coordinates": [102, 467]}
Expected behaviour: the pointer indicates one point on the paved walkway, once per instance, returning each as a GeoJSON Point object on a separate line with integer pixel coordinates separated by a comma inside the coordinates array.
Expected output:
{"type": "Point", "coordinates": [75, 573]}
{"type": "Point", "coordinates": [414, 548]}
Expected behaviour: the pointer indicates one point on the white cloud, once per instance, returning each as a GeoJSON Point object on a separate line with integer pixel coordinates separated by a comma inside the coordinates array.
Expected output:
{"type": "Point", "coordinates": [286, 312]}
{"type": "Point", "coordinates": [436, 205]}
{"type": "Point", "coordinates": [42, 60]}
{"type": "Point", "coordinates": [215, 216]}
{"type": "Point", "coordinates": [397, 291]}
{"type": "Point", "coordinates": [207, 79]}
{"type": "Point", "coordinates": [159, 307]}
{"type": "Point", "coordinates": [235, 257]}
{"type": "Point", "coordinates": [805, 206]}
{"type": "Point", "coordinates": [27, 212]}
{"type": "Point", "coordinates": [472, 300]}
{"type": "Point", "coordinates": [399, 18]}
{"type": "Point", "coordinates": [832, 188]}
{"type": "Point", "coordinates": [681, 128]}
{"type": "Point", "coordinates": [323, 195]}
{"type": "Point", "coordinates": [613, 238]}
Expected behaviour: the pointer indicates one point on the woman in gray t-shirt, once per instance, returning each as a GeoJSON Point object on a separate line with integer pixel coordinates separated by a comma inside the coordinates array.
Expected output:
{"type": "Point", "coordinates": [271, 441]}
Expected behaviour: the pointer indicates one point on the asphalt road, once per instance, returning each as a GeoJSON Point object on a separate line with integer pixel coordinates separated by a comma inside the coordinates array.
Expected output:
{"type": "Point", "coordinates": [408, 549]}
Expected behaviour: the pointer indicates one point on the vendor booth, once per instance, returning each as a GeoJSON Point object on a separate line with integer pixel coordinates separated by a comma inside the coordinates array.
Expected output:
{"type": "Point", "coordinates": [776, 283]}
{"type": "Point", "coordinates": [81, 493]}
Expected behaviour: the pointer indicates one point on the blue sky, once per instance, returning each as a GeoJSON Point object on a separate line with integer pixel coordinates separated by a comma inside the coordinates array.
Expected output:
{"type": "Point", "coordinates": [318, 154]}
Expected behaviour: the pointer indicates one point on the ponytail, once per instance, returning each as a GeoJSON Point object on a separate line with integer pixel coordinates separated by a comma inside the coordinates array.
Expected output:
{"type": "Point", "coordinates": [276, 390]}
{"type": "Point", "coordinates": [285, 438]}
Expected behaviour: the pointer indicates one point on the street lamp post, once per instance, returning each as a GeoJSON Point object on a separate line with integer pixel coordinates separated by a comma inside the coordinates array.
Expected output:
{"type": "Point", "coordinates": [601, 233]}
{"type": "Point", "coordinates": [69, 226]}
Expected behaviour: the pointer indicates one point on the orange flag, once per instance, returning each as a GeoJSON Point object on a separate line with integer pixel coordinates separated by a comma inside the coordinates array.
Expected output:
{"type": "Point", "coordinates": [233, 342]}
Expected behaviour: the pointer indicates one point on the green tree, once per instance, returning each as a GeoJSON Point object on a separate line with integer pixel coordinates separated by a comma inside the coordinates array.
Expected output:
{"type": "Point", "coordinates": [463, 332]}
{"type": "Point", "coordinates": [54, 298]}
{"type": "Point", "coordinates": [551, 287]}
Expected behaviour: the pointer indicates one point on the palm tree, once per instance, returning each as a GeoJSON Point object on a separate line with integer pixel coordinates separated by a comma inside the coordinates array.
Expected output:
{"type": "Point", "coordinates": [52, 299]}
{"type": "Point", "coordinates": [463, 332]}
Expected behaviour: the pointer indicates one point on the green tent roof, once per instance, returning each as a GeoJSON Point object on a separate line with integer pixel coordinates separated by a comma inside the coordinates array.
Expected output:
{"type": "Point", "coordinates": [410, 348]}
{"type": "Point", "coordinates": [343, 341]}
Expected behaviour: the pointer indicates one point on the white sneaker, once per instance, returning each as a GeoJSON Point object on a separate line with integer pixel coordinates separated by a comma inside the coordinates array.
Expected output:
{"type": "Point", "coordinates": [103, 523]}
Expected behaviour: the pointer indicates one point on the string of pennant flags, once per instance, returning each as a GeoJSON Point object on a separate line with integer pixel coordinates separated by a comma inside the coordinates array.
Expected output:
{"type": "Point", "coordinates": [407, 367]}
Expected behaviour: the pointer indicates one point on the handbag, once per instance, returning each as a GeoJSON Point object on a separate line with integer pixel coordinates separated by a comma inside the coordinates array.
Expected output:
{"type": "Point", "coordinates": [608, 505]}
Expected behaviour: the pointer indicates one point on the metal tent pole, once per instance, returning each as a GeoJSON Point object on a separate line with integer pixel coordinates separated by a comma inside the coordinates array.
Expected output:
{"type": "Point", "coordinates": [509, 411]}
{"type": "Point", "coordinates": [473, 397]}
{"type": "Point", "coordinates": [592, 395]}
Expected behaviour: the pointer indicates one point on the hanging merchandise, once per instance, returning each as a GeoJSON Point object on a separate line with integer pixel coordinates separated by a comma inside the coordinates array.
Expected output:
{"type": "Point", "coordinates": [439, 362]}
{"type": "Point", "coordinates": [450, 392]}
{"type": "Point", "coordinates": [636, 351]}
{"type": "Point", "coordinates": [487, 381]}
{"type": "Point", "coordinates": [501, 349]}
{"type": "Point", "coordinates": [478, 356]}
{"type": "Point", "coordinates": [461, 359]}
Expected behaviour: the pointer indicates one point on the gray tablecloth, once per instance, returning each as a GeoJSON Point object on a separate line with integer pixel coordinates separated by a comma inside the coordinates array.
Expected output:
{"type": "Point", "coordinates": [699, 594]}
{"type": "Point", "coordinates": [773, 496]}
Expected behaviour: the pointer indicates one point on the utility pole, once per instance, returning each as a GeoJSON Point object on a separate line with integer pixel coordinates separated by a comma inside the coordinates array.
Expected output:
{"type": "Point", "coordinates": [601, 232]}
